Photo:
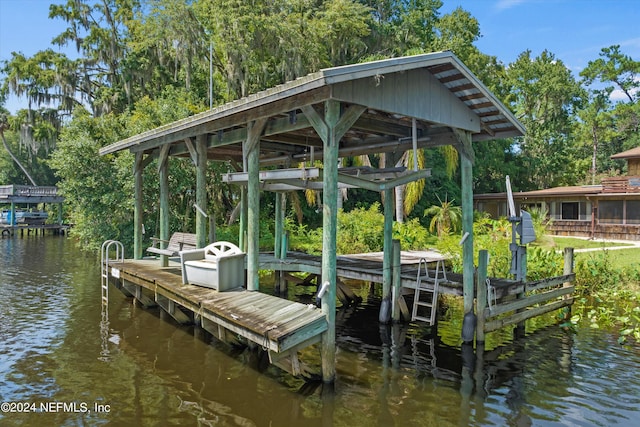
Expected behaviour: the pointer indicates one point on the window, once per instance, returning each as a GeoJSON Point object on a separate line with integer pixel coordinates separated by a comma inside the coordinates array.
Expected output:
{"type": "Point", "coordinates": [570, 210]}
{"type": "Point", "coordinates": [611, 211]}
{"type": "Point", "coordinates": [633, 212]}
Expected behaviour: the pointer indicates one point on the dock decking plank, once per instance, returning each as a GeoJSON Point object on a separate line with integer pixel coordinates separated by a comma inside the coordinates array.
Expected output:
{"type": "Point", "coordinates": [262, 318]}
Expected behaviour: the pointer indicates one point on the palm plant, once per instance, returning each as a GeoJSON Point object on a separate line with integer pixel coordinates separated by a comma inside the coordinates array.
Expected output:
{"type": "Point", "coordinates": [445, 218]}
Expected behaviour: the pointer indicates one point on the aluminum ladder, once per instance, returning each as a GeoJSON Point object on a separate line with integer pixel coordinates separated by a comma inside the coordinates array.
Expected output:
{"type": "Point", "coordinates": [425, 299]}
{"type": "Point", "coordinates": [105, 264]}
{"type": "Point", "coordinates": [108, 247]}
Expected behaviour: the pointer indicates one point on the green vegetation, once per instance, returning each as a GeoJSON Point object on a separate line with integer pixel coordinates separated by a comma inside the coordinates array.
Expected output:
{"type": "Point", "coordinates": [359, 231]}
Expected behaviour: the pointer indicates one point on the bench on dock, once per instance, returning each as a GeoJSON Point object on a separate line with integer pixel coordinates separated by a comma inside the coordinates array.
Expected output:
{"type": "Point", "coordinates": [219, 266]}
{"type": "Point", "coordinates": [178, 242]}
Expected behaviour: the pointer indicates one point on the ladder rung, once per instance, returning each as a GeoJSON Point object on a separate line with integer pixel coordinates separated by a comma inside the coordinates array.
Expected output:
{"type": "Point", "coordinates": [423, 304]}
{"type": "Point", "coordinates": [424, 319]}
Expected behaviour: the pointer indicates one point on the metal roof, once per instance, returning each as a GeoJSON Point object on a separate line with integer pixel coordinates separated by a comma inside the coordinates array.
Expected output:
{"type": "Point", "coordinates": [436, 89]}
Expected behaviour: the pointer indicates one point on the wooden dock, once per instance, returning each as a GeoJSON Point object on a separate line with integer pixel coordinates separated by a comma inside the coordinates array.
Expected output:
{"type": "Point", "coordinates": [365, 267]}
{"type": "Point", "coordinates": [279, 326]}
{"type": "Point", "coordinates": [10, 230]}
{"type": "Point", "coordinates": [283, 328]}
{"type": "Point", "coordinates": [532, 298]}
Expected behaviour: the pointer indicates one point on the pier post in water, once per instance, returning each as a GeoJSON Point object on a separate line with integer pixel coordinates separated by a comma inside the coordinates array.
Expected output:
{"type": "Point", "coordinates": [481, 297]}
{"type": "Point", "coordinates": [468, 286]}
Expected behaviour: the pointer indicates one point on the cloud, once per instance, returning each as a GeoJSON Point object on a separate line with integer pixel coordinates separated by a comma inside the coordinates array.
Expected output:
{"type": "Point", "coordinates": [508, 4]}
{"type": "Point", "coordinates": [619, 96]}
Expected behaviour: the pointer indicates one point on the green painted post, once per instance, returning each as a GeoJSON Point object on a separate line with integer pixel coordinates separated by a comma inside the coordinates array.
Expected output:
{"type": "Point", "coordinates": [163, 169]}
{"type": "Point", "coordinates": [13, 214]}
{"type": "Point", "coordinates": [466, 162]}
{"type": "Point", "coordinates": [137, 207]}
{"type": "Point", "coordinates": [252, 153]}
{"type": "Point", "coordinates": [385, 306]}
{"type": "Point", "coordinates": [329, 235]}
{"type": "Point", "coordinates": [330, 129]}
{"type": "Point", "coordinates": [277, 251]}
{"type": "Point", "coordinates": [481, 298]}
{"type": "Point", "coordinates": [242, 238]}
{"type": "Point", "coordinates": [397, 283]}
{"type": "Point", "coordinates": [201, 191]}
{"type": "Point", "coordinates": [253, 218]}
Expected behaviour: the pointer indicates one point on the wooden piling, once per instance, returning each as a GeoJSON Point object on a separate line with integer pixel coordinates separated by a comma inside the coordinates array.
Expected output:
{"type": "Point", "coordinates": [396, 307]}
{"type": "Point", "coordinates": [329, 235]}
{"type": "Point", "coordinates": [138, 209]}
{"type": "Point", "coordinates": [163, 171]}
{"type": "Point", "coordinates": [568, 269]}
{"type": "Point", "coordinates": [201, 190]}
{"type": "Point", "coordinates": [252, 153]}
{"type": "Point", "coordinates": [481, 296]}
{"type": "Point", "coordinates": [466, 165]}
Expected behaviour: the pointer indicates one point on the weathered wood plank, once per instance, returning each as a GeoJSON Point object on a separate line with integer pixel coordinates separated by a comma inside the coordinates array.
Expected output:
{"type": "Point", "coordinates": [136, 291]}
{"type": "Point", "coordinates": [524, 315]}
{"type": "Point", "coordinates": [549, 282]}
{"type": "Point", "coordinates": [171, 308]}
{"type": "Point", "coordinates": [526, 302]}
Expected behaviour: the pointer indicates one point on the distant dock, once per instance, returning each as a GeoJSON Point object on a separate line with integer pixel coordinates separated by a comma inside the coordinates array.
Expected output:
{"type": "Point", "coordinates": [19, 196]}
{"type": "Point", "coordinates": [36, 229]}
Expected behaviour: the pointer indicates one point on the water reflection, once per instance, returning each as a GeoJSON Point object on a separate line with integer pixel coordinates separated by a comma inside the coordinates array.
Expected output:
{"type": "Point", "coordinates": [57, 345]}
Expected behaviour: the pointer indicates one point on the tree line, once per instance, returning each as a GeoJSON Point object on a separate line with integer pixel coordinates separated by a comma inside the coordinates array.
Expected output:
{"type": "Point", "coordinates": [142, 63]}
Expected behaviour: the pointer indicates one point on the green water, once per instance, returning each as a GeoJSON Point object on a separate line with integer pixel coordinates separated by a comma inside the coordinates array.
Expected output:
{"type": "Point", "coordinates": [63, 362]}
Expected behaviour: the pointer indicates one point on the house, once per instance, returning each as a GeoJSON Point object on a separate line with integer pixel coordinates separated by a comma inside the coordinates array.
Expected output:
{"type": "Point", "coordinates": [609, 210]}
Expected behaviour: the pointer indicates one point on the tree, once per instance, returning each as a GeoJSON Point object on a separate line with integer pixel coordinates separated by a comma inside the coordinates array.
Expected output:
{"type": "Point", "coordinates": [597, 132]}
{"type": "Point", "coordinates": [445, 218]}
{"type": "Point", "coordinates": [615, 67]}
{"type": "Point", "coordinates": [545, 97]}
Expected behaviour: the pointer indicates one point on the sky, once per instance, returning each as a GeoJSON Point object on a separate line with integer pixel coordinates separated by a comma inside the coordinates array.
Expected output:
{"type": "Point", "coordinates": [573, 30]}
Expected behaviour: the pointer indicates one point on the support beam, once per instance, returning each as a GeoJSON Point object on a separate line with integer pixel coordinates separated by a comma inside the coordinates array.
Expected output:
{"type": "Point", "coordinates": [329, 233]}
{"type": "Point", "coordinates": [396, 312]}
{"type": "Point", "coordinates": [201, 191]}
{"type": "Point", "coordinates": [330, 128]}
{"type": "Point", "coordinates": [138, 220]}
{"type": "Point", "coordinates": [163, 170]}
{"type": "Point", "coordinates": [466, 161]}
{"type": "Point", "coordinates": [481, 298]}
{"type": "Point", "coordinates": [281, 202]}
{"type": "Point", "coordinates": [251, 152]}
{"type": "Point", "coordinates": [242, 238]}
{"type": "Point", "coordinates": [387, 260]}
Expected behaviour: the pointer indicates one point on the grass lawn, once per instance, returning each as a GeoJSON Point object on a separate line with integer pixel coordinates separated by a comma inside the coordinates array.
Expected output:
{"type": "Point", "coordinates": [618, 258]}
{"type": "Point", "coordinates": [572, 242]}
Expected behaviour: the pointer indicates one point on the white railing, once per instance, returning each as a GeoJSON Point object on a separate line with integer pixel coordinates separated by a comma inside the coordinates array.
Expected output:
{"type": "Point", "coordinates": [27, 190]}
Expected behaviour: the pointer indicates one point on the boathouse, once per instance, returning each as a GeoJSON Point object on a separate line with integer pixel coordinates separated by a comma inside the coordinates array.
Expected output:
{"type": "Point", "coordinates": [21, 212]}
{"type": "Point", "coordinates": [274, 137]}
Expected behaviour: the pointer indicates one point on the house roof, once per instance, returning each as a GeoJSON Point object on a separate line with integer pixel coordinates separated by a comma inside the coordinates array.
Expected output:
{"type": "Point", "coordinates": [634, 153]}
{"type": "Point", "coordinates": [567, 191]}
{"type": "Point", "coordinates": [436, 89]}
{"type": "Point", "coordinates": [576, 190]}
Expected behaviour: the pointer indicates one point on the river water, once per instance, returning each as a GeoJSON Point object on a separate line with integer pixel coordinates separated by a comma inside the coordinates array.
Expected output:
{"type": "Point", "coordinates": [63, 362]}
